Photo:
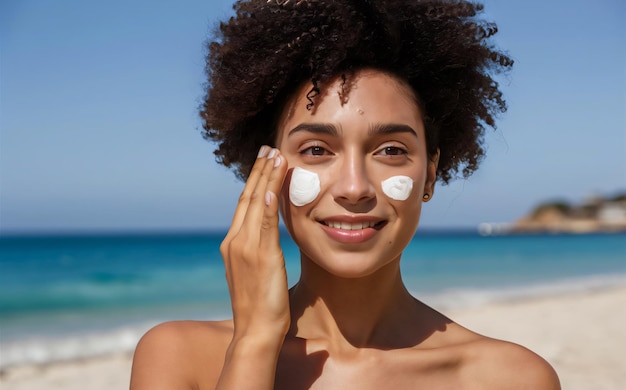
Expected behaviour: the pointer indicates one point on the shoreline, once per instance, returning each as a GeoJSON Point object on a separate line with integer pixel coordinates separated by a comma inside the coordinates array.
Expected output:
{"type": "Point", "coordinates": [81, 341]}
{"type": "Point", "coordinates": [578, 332]}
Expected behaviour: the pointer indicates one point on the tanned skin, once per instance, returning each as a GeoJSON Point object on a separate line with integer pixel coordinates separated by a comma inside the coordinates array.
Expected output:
{"type": "Point", "coordinates": [349, 323]}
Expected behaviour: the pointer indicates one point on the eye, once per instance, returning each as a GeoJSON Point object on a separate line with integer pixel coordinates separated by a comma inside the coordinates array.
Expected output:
{"type": "Point", "coordinates": [314, 151]}
{"type": "Point", "coordinates": [392, 151]}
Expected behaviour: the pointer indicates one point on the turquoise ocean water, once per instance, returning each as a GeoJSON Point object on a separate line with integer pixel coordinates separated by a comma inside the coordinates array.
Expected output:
{"type": "Point", "coordinates": [68, 297]}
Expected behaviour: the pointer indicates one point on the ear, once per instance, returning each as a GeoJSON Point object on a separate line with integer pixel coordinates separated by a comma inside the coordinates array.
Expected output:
{"type": "Point", "coordinates": [431, 174]}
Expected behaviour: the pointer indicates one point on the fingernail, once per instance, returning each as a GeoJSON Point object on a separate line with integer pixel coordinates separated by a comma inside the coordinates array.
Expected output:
{"type": "Point", "coordinates": [277, 162]}
{"type": "Point", "coordinates": [268, 198]}
{"type": "Point", "coordinates": [262, 151]}
{"type": "Point", "coordinates": [272, 153]}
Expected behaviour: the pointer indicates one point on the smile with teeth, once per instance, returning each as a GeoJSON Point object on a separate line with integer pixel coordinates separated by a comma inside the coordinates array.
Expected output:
{"type": "Point", "coordinates": [352, 226]}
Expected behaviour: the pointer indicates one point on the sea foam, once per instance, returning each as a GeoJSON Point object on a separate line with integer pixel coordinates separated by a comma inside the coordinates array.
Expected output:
{"type": "Point", "coordinates": [467, 298]}
{"type": "Point", "coordinates": [42, 350]}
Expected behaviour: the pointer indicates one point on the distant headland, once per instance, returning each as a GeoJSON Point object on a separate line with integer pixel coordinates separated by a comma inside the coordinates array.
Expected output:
{"type": "Point", "coordinates": [596, 214]}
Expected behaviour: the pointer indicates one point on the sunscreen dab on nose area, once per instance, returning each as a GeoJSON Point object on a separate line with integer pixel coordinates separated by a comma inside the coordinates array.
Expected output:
{"type": "Point", "coordinates": [304, 187]}
{"type": "Point", "coordinates": [398, 187]}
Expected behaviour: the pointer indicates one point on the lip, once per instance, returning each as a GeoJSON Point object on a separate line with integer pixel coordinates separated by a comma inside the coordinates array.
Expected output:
{"type": "Point", "coordinates": [352, 230]}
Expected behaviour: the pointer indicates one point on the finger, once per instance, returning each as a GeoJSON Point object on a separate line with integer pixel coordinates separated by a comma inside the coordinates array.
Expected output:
{"type": "Point", "coordinates": [269, 225]}
{"type": "Point", "coordinates": [246, 194]}
{"type": "Point", "coordinates": [277, 177]}
{"type": "Point", "coordinates": [256, 205]}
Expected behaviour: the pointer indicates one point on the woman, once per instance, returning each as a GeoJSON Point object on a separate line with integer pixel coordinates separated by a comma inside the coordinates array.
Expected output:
{"type": "Point", "coordinates": [342, 115]}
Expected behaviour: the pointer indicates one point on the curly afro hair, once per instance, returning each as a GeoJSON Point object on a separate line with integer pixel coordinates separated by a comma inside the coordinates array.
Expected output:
{"type": "Point", "coordinates": [271, 47]}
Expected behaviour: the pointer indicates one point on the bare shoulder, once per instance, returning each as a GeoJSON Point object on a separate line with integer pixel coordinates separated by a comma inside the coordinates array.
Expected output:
{"type": "Point", "coordinates": [181, 355]}
{"type": "Point", "coordinates": [481, 362]}
{"type": "Point", "coordinates": [500, 364]}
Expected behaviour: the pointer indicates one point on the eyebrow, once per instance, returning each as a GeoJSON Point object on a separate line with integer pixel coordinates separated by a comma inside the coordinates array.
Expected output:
{"type": "Point", "coordinates": [330, 129]}
{"type": "Point", "coordinates": [317, 128]}
{"type": "Point", "coordinates": [380, 128]}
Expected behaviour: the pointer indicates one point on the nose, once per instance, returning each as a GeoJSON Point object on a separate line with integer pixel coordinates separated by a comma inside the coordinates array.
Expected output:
{"type": "Point", "coordinates": [353, 185]}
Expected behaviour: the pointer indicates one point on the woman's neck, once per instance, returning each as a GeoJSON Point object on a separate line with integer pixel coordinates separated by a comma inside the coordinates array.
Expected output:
{"type": "Point", "coordinates": [373, 311]}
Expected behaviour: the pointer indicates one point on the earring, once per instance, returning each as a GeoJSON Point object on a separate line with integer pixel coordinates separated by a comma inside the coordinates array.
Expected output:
{"type": "Point", "coordinates": [426, 197]}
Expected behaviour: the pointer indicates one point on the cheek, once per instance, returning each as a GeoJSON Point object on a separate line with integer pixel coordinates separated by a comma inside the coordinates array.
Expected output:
{"type": "Point", "coordinates": [300, 188]}
{"type": "Point", "coordinates": [304, 187]}
{"type": "Point", "coordinates": [397, 187]}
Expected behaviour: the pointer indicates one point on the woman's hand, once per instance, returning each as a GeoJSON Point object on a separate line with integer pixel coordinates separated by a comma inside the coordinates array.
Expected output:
{"type": "Point", "coordinates": [257, 280]}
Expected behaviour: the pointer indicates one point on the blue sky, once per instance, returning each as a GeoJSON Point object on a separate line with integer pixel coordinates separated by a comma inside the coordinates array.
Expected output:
{"type": "Point", "coordinates": [99, 125]}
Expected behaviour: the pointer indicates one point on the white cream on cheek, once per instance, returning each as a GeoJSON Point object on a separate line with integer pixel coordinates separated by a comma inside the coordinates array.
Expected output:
{"type": "Point", "coordinates": [304, 186]}
{"type": "Point", "coordinates": [398, 187]}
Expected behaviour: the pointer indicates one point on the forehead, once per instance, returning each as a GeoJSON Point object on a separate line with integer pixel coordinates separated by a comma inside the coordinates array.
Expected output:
{"type": "Point", "coordinates": [368, 95]}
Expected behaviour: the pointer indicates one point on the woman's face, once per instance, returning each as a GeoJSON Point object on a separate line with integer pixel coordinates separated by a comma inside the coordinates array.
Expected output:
{"type": "Point", "coordinates": [355, 225]}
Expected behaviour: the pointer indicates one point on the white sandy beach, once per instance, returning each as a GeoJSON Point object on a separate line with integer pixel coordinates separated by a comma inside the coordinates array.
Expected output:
{"type": "Point", "coordinates": [582, 335]}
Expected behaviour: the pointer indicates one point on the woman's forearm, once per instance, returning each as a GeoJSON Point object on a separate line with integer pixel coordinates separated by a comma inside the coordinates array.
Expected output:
{"type": "Point", "coordinates": [250, 363]}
